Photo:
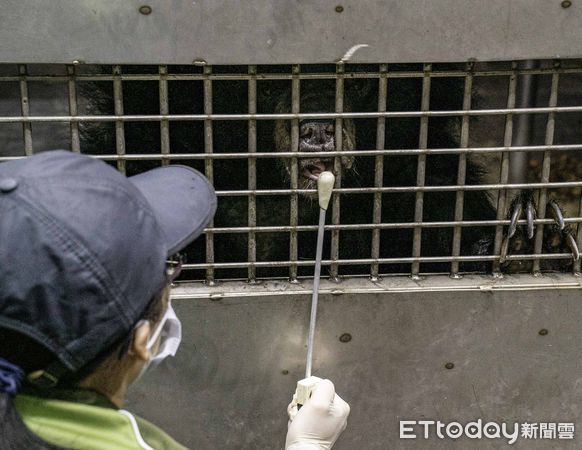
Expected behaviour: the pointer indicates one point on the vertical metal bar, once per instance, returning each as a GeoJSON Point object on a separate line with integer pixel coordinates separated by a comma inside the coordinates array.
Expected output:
{"type": "Point", "coordinates": [164, 109]}
{"type": "Point", "coordinates": [379, 169]}
{"type": "Point", "coordinates": [462, 170]}
{"type": "Point", "coordinates": [421, 169]}
{"type": "Point", "coordinates": [252, 173]}
{"type": "Point", "coordinates": [73, 110]}
{"type": "Point", "coordinates": [25, 110]}
{"type": "Point", "coordinates": [504, 173]}
{"type": "Point", "coordinates": [526, 96]}
{"type": "Point", "coordinates": [294, 206]}
{"type": "Point", "coordinates": [208, 167]}
{"type": "Point", "coordinates": [578, 262]}
{"type": "Point", "coordinates": [118, 111]}
{"type": "Point", "coordinates": [546, 163]}
{"type": "Point", "coordinates": [337, 168]}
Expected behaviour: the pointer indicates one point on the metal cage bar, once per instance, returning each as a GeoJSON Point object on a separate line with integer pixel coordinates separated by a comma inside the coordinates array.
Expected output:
{"type": "Point", "coordinates": [578, 263]}
{"type": "Point", "coordinates": [337, 168]}
{"type": "Point", "coordinates": [379, 169]}
{"type": "Point", "coordinates": [164, 110]}
{"type": "Point", "coordinates": [340, 114]}
{"type": "Point", "coordinates": [421, 170]}
{"type": "Point", "coordinates": [381, 226]}
{"type": "Point", "coordinates": [546, 165]}
{"type": "Point", "coordinates": [118, 110]}
{"type": "Point", "coordinates": [306, 76]}
{"type": "Point", "coordinates": [526, 95]}
{"type": "Point", "coordinates": [368, 261]}
{"type": "Point", "coordinates": [370, 190]}
{"type": "Point", "coordinates": [462, 170]}
{"type": "Point", "coordinates": [25, 110]}
{"type": "Point", "coordinates": [252, 174]}
{"type": "Point", "coordinates": [290, 116]}
{"type": "Point", "coordinates": [290, 155]}
{"type": "Point", "coordinates": [385, 226]}
{"type": "Point", "coordinates": [73, 110]}
{"type": "Point", "coordinates": [504, 172]}
{"type": "Point", "coordinates": [294, 199]}
{"type": "Point", "coordinates": [208, 168]}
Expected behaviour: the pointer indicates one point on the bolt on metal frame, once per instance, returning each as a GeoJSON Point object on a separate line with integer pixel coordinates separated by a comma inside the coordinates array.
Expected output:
{"type": "Point", "coordinates": [117, 77]}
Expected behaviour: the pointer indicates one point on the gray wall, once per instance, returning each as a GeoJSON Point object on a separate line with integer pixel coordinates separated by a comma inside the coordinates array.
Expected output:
{"type": "Point", "coordinates": [283, 31]}
{"type": "Point", "coordinates": [228, 387]}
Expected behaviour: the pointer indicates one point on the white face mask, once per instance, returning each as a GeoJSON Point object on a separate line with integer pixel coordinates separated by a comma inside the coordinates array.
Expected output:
{"type": "Point", "coordinates": [169, 331]}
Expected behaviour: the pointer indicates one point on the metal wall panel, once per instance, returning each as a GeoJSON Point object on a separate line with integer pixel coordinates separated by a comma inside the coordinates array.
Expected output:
{"type": "Point", "coordinates": [282, 31]}
{"type": "Point", "coordinates": [244, 350]}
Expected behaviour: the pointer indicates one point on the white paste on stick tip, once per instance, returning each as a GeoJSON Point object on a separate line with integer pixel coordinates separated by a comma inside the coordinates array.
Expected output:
{"type": "Point", "coordinates": [325, 184]}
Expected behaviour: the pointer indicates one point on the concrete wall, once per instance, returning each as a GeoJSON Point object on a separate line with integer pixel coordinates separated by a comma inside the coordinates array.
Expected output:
{"type": "Point", "coordinates": [243, 352]}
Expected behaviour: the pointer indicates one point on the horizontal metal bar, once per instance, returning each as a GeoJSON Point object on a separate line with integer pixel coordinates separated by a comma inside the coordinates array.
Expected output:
{"type": "Point", "coordinates": [362, 283]}
{"type": "Point", "coordinates": [363, 190]}
{"type": "Point", "coordinates": [367, 261]}
{"type": "Point", "coordinates": [289, 76]}
{"type": "Point", "coordinates": [289, 116]}
{"type": "Point", "coordinates": [275, 154]}
{"type": "Point", "coordinates": [401, 189]}
{"type": "Point", "coordinates": [384, 226]}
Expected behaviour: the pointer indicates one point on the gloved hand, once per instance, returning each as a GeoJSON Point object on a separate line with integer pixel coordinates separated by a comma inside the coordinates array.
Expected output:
{"type": "Point", "coordinates": [319, 422]}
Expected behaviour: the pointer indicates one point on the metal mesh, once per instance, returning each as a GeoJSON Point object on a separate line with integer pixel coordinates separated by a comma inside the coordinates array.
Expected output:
{"type": "Point", "coordinates": [480, 113]}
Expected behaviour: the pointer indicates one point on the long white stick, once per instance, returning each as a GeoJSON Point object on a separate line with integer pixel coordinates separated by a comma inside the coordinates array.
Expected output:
{"type": "Point", "coordinates": [324, 188]}
{"type": "Point", "coordinates": [315, 295]}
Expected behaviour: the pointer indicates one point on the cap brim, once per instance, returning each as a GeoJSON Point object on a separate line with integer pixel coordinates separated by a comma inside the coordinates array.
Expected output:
{"type": "Point", "coordinates": [182, 199]}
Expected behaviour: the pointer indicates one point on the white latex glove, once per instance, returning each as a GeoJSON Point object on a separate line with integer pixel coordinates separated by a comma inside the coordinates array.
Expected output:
{"type": "Point", "coordinates": [319, 422]}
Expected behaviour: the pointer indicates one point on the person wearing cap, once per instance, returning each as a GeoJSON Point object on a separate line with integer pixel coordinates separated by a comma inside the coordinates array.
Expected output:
{"type": "Point", "coordinates": [85, 306]}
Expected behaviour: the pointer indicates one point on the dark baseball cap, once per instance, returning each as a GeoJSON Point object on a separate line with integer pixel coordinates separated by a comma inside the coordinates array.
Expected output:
{"type": "Point", "coordinates": [83, 248]}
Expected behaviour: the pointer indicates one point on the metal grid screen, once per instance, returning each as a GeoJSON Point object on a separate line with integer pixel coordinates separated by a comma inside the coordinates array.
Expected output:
{"type": "Point", "coordinates": [425, 185]}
